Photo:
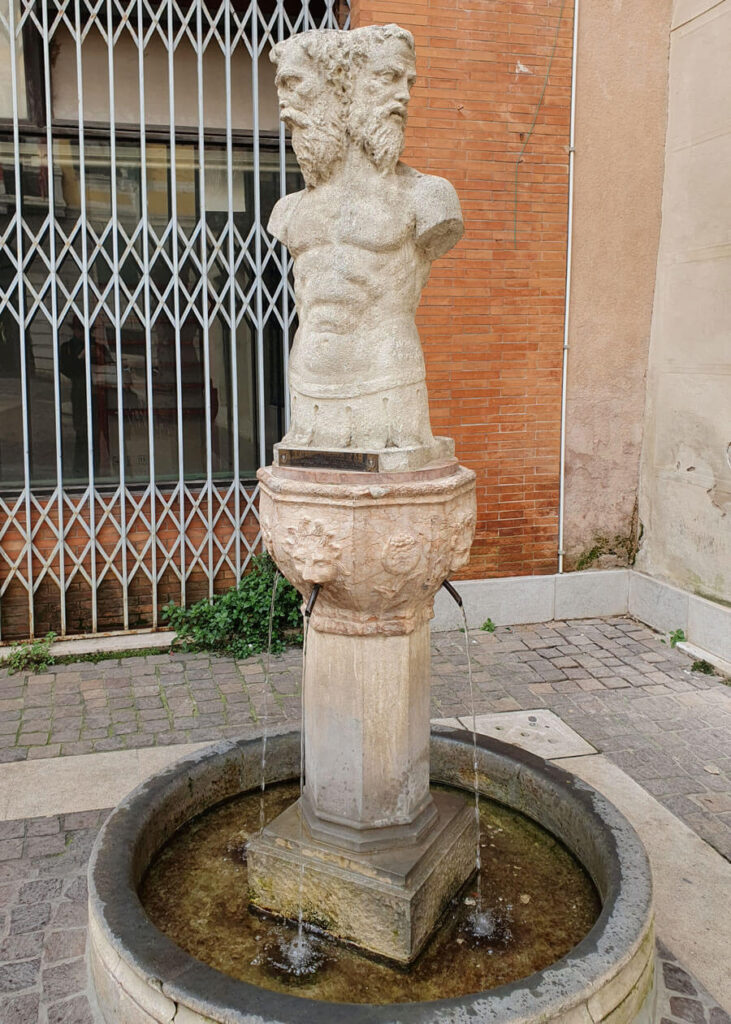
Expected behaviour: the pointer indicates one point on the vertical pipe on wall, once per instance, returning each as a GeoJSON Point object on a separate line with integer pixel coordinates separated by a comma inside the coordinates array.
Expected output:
{"type": "Point", "coordinates": [569, 260]}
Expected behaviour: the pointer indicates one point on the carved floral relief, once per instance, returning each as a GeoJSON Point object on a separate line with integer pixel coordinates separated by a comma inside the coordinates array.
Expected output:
{"type": "Point", "coordinates": [379, 561]}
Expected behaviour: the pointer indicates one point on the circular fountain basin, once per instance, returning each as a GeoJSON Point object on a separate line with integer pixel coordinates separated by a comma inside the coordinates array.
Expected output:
{"type": "Point", "coordinates": [141, 976]}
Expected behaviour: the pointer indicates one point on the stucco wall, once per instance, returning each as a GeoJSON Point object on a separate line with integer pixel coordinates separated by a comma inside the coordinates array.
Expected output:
{"type": "Point", "coordinates": [685, 486]}
{"type": "Point", "coordinates": [622, 76]}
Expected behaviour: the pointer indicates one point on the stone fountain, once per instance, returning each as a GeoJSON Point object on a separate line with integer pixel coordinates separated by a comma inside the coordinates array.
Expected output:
{"type": "Point", "coordinates": [367, 514]}
{"type": "Point", "coordinates": [364, 503]}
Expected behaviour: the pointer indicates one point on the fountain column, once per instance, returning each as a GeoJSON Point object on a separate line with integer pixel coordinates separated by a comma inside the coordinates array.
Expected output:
{"type": "Point", "coordinates": [365, 503]}
{"type": "Point", "coordinates": [379, 546]}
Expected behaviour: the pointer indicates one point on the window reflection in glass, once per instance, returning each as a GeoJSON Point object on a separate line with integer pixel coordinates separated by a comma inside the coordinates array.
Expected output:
{"type": "Point", "coordinates": [109, 358]}
{"type": "Point", "coordinates": [6, 82]}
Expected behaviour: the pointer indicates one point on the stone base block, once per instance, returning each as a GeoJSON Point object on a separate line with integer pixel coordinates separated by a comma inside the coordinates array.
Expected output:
{"type": "Point", "coordinates": [387, 901]}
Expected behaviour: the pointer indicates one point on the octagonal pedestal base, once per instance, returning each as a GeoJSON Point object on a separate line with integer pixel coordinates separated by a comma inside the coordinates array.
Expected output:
{"type": "Point", "coordinates": [387, 901]}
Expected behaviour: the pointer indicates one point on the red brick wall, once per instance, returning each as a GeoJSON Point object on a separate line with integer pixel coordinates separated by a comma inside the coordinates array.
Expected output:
{"type": "Point", "coordinates": [77, 563]}
{"type": "Point", "coordinates": [491, 318]}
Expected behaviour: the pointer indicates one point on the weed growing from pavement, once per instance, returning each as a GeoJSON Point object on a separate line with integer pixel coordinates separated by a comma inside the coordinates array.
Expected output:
{"type": "Point", "coordinates": [94, 657]}
{"type": "Point", "coordinates": [32, 655]}
{"type": "Point", "coordinates": [703, 666]}
{"type": "Point", "coordinates": [676, 637]}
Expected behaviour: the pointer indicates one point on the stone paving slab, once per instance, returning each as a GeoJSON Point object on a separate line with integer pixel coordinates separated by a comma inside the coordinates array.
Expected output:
{"type": "Point", "coordinates": [681, 998]}
{"type": "Point", "coordinates": [43, 893]}
{"type": "Point", "coordinates": [540, 731]}
{"type": "Point", "coordinates": [613, 681]}
{"type": "Point", "coordinates": [82, 782]}
{"type": "Point", "coordinates": [43, 977]}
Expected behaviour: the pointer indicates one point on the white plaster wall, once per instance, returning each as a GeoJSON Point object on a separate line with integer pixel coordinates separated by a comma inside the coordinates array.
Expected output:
{"type": "Point", "coordinates": [95, 77]}
{"type": "Point", "coordinates": [621, 107]}
{"type": "Point", "coordinates": [685, 481]}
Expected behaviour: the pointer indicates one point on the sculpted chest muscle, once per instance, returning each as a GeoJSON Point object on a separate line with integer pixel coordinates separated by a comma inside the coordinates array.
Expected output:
{"type": "Point", "coordinates": [362, 251]}
{"type": "Point", "coordinates": [335, 216]}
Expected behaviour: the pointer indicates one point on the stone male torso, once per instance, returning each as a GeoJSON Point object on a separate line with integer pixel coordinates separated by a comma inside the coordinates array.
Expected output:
{"type": "Point", "coordinates": [361, 258]}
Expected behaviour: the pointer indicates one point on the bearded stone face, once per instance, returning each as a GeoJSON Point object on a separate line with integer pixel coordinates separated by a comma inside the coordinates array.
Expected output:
{"type": "Point", "coordinates": [380, 101]}
{"type": "Point", "coordinates": [312, 102]}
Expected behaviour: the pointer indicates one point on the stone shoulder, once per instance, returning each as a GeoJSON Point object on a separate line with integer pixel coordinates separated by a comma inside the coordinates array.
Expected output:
{"type": "Point", "coordinates": [437, 211]}
{"type": "Point", "coordinates": [278, 224]}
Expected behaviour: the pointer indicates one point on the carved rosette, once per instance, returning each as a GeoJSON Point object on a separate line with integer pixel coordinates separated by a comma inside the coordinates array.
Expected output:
{"type": "Point", "coordinates": [380, 551]}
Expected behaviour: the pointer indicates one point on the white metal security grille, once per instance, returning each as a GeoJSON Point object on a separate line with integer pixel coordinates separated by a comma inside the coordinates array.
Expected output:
{"type": "Point", "coordinates": [145, 313]}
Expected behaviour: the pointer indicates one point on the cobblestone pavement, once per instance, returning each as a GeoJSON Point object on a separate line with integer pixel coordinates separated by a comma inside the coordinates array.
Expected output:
{"type": "Point", "coordinates": [615, 681]}
{"type": "Point", "coordinates": [43, 977]}
{"type": "Point", "coordinates": [681, 998]}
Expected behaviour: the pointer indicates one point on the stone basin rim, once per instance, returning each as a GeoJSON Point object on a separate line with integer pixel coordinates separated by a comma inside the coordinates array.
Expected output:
{"type": "Point", "coordinates": [602, 839]}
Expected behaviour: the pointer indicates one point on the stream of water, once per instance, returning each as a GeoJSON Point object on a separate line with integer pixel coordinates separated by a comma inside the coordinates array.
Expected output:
{"type": "Point", "coordinates": [482, 921]}
{"type": "Point", "coordinates": [305, 632]}
{"type": "Point", "coordinates": [533, 902]}
{"type": "Point", "coordinates": [538, 902]}
{"type": "Point", "coordinates": [301, 955]}
{"type": "Point", "coordinates": [267, 680]}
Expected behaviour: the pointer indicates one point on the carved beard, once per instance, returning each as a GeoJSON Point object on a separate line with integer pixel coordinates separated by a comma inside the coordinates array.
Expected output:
{"type": "Point", "coordinates": [380, 135]}
{"type": "Point", "coordinates": [318, 146]}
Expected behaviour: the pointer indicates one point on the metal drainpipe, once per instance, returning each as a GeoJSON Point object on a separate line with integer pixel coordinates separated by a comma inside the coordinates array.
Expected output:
{"type": "Point", "coordinates": [569, 259]}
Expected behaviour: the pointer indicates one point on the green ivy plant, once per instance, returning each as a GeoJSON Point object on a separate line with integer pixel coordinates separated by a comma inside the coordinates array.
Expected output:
{"type": "Point", "coordinates": [237, 622]}
{"type": "Point", "coordinates": [31, 656]}
{"type": "Point", "coordinates": [488, 626]}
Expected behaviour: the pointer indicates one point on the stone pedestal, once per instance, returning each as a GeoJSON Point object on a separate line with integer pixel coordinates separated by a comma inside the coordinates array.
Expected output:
{"type": "Point", "coordinates": [369, 789]}
{"type": "Point", "coordinates": [369, 831]}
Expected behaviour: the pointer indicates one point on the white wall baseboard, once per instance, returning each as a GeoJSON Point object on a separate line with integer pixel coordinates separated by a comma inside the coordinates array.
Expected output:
{"type": "Point", "coordinates": [515, 600]}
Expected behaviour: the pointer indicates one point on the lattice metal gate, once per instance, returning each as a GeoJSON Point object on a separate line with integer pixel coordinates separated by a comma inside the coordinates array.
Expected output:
{"type": "Point", "coordinates": [145, 314]}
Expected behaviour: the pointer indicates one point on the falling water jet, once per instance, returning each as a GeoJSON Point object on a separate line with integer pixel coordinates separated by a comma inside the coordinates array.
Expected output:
{"type": "Point", "coordinates": [297, 957]}
{"type": "Point", "coordinates": [457, 597]}
{"type": "Point", "coordinates": [267, 675]}
{"type": "Point", "coordinates": [299, 951]}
